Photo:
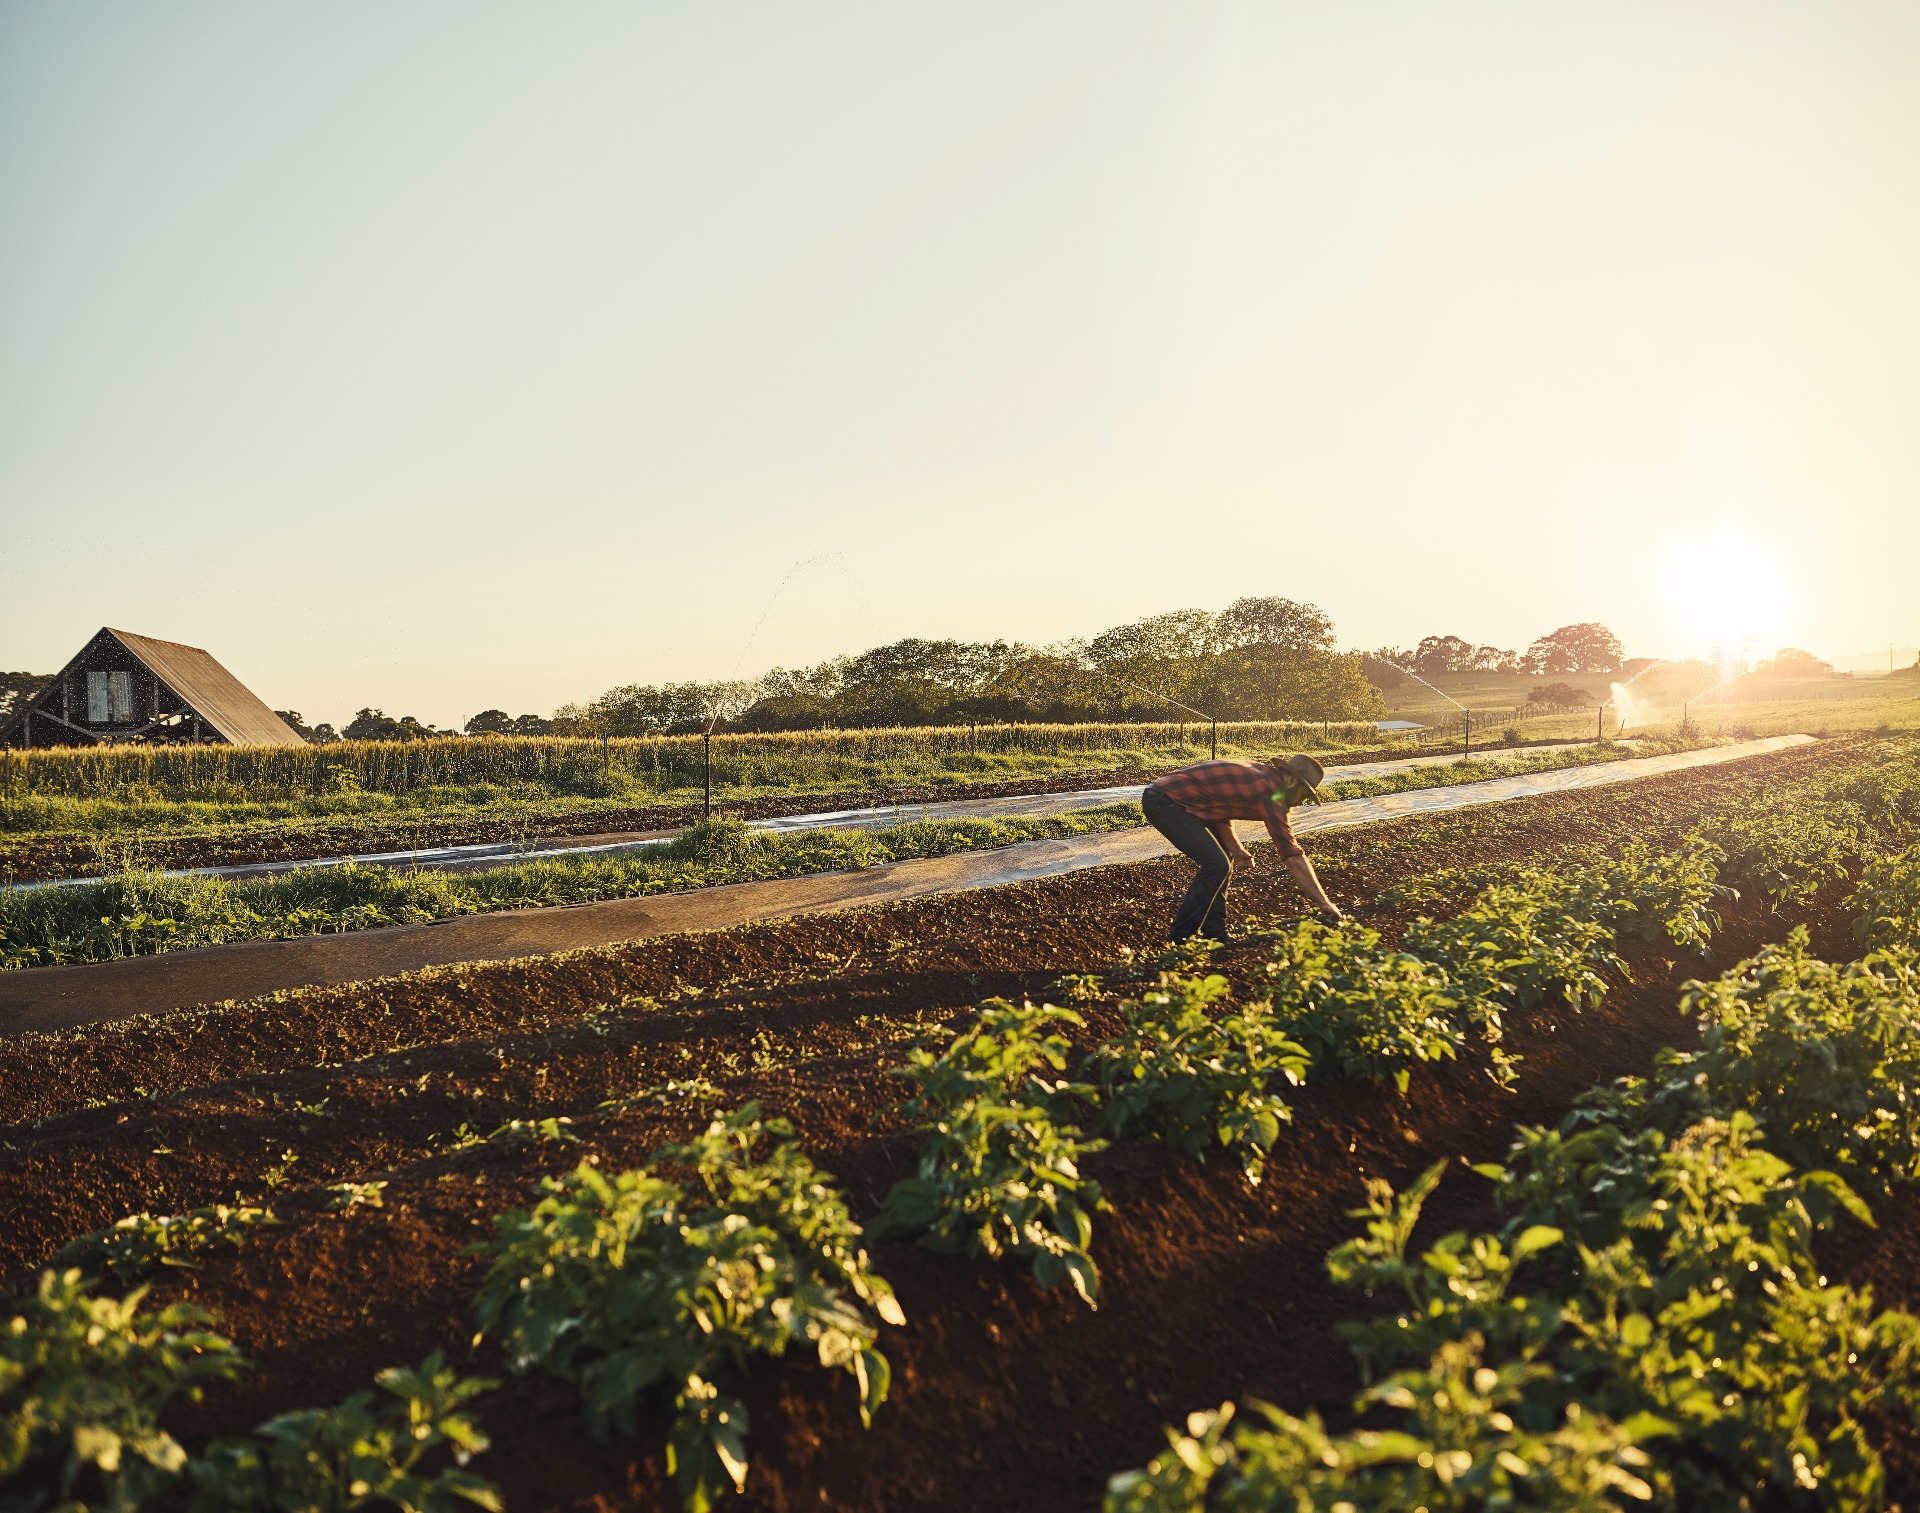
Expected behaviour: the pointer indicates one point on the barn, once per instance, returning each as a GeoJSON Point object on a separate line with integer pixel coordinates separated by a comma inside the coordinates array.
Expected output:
{"type": "Point", "coordinates": [123, 687]}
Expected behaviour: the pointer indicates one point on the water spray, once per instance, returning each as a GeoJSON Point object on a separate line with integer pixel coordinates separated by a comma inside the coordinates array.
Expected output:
{"type": "Point", "coordinates": [1622, 702]}
{"type": "Point", "coordinates": [1212, 720]}
{"type": "Point", "coordinates": [1466, 721]}
{"type": "Point", "coordinates": [713, 713]}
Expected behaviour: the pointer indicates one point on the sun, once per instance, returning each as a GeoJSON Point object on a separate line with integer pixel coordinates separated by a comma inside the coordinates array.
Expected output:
{"type": "Point", "coordinates": [1731, 597]}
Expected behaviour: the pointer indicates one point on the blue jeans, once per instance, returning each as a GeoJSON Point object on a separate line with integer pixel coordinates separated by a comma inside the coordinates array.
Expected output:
{"type": "Point", "coordinates": [1204, 910]}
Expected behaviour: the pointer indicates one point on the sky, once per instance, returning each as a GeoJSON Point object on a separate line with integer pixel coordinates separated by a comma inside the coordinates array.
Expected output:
{"type": "Point", "coordinates": [439, 357]}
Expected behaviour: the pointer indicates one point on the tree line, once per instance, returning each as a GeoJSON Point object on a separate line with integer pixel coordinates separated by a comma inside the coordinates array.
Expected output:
{"type": "Point", "coordinates": [1260, 658]}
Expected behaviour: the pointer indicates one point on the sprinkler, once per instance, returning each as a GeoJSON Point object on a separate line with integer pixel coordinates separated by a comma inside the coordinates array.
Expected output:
{"type": "Point", "coordinates": [1466, 714]}
{"type": "Point", "coordinates": [1213, 721]}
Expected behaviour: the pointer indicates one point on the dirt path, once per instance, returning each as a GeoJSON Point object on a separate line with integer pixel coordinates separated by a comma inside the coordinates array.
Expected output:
{"type": "Point", "coordinates": [48, 998]}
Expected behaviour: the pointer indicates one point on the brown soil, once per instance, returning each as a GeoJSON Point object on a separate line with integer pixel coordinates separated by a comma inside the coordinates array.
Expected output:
{"type": "Point", "coordinates": [34, 858]}
{"type": "Point", "coordinates": [1003, 1396]}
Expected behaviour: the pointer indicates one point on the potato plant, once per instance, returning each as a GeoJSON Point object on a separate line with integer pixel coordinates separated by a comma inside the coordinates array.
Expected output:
{"type": "Point", "coordinates": [1519, 943]}
{"type": "Point", "coordinates": [84, 1382]}
{"type": "Point", "coordinates": [1463, 1443]}
{"type": "Point", "coordinates": [1826, 1058]}
{"type": "Point", "coordinates": [1362, 1010]}
{"type": "Point", "coordinates": [1786, 854]}
{"type": "Point", "coordinates": [634, 1283]}
{"type": "Point", "coordinates": [1887, 902]}
{"type": "Point", "coordinates": [999, 1173]}
{"type": "Point", "coordinates": [364, 1452]}
{"type": "Point", "coordinates": [135, 1246]}
{"type": "Point", "coordinates": [1194, 1081]}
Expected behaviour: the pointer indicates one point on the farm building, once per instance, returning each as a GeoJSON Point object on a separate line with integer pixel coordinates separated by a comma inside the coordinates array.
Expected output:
{"type": "Point", "coordinates": [123, 687]}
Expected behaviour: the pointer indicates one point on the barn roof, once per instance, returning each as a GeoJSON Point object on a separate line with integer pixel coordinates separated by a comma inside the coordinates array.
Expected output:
{"type": "Point", "coordinates": [215, 694]}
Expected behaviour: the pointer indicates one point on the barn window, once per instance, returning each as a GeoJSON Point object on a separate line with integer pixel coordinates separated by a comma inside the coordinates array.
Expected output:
{"type": "Point", "coordinates": [109, 698]}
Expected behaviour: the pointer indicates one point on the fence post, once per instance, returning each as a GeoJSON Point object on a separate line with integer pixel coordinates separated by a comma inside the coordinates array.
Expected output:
{"type": "Point", "coordinates": [707, 765]}
{"type": "Point", "coordinates": [1466, 732]}
{"type": "Point", "coordinates": [1215, 741]}
{"type": "Point", "coordinates": [603, 761]}
{"type": "Point", "coordinates": [1600, 725]}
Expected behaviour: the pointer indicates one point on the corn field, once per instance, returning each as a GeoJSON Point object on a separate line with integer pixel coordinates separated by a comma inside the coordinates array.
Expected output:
{"type": "Point", "coordinates": [784, 758]}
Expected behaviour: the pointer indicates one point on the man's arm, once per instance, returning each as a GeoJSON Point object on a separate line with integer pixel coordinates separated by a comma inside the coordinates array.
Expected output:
{"type": "Point", "coordinates": [1297, 865]}
{"type": "Point", "coordinates": [1238, 854]}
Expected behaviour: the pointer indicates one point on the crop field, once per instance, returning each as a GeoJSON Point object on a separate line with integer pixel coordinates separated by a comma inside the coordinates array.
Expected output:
{"type": "Point", "coordinates": [138, 911]}
{"type": "Point", "coordinates": [68, 811]}
{"type": "Point", "coordinates": [976, 1201]}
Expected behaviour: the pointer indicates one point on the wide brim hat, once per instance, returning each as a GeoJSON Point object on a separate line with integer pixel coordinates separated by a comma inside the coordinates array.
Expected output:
{"type": "Point", "coordinates": [1307, 770]}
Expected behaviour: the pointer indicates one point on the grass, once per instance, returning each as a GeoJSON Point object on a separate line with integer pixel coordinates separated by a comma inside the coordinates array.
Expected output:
{"type": "Point", "coordinates": [1751, 705]}
{"type": "Point", "coordinates": [139, 913]}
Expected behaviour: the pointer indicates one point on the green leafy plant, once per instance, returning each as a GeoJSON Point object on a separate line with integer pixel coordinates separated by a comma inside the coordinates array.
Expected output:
{"type": "Point", "coordinates": [1520, 943]}
{"type": "Point", "coordinates": [1361, 1009]}
{"type": "Point", "coordinates": [1194, 1081]}
{"type": "Point", "coordinates": [1827, 1058]}
{"type": "Point", "coordinates": [550, 1131]}
{"type": "Point", "coordinates": [84, 1381]}
{"type": "Point", "coordinates": [1466, 1443]}
{"type": "Point", "coordinates": [1654, 894]}
{"type": "Point", "coordinates": [633, 1283]}
{"type": "Point", "coordinates": [1785, 853]}
{"type": "Point", "coordinates": [999, 1173]}
{"type": "Point", "coordinates": [342, 1196]}
{"type": "Point", "coordinates": [134, 1246]}
{"type": "Point", "coordinates": [367, 1451]}
{"type": "Point", "coordinates": [1887, 902]}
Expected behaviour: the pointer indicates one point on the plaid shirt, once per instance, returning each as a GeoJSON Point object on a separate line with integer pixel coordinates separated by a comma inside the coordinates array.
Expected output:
{"type": "Point", "coordinates": [1229, 791]}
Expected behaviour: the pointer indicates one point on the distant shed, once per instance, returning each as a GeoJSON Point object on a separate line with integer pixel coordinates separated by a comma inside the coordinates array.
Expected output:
{"type": "Point", "coordinates": [123, 687]}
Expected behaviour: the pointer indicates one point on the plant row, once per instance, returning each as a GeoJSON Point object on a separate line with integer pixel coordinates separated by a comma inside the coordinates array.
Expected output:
{"type": "Point", "coordinates": [1649, 1323]}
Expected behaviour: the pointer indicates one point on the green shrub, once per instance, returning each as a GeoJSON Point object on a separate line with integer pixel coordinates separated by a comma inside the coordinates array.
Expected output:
{"type": "Point", "coordinates": [629, 1283]}
{"type": "Point", "coordinates": [999, 1173]}
{"type": "Point", "coordinates": [1192, 1081]}
{"type": "Point", "coordinates": [1888, 902]}
{"type": "Point", "coordinates": [1466, 1444]}
{"type": "Point", "coordinates": [1786, 853]}
{"type": "Point", "coordinates": [84, 1381]}
{"type": "Point", "coordinates": [365, 1452]}
{"type": "Point", "coordinates": [132, 1247]}
{"type": "Point", "coordinates": [1363, 1011]}
{"type": "Point", "coordinates": [1826, 1058]}
{"type": "Point", "coordinates": [1521, 943]}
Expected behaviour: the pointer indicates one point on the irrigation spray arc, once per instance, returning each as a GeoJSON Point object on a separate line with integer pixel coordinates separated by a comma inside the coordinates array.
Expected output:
{"type": "Point", "coordinates": [1624, 704]}
{"type": "Point", "coordinates": [1213, 721]}
{"type": "Point", "coordinates": [714, 709]}
{"type": "Point", "coordinates": [1466, 714]}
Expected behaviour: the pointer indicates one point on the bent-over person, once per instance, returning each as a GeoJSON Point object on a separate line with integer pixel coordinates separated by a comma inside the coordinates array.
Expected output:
{"type": "Point", "coordinates": [1195, 808]}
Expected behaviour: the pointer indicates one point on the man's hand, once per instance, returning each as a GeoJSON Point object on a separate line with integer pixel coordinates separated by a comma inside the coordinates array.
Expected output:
{"type": "Point", "coordinates": [1241, 858]}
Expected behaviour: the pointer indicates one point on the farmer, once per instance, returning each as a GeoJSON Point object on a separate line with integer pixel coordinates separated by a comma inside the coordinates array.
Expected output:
{"type": "Point", "coordinates": [1195, 808]}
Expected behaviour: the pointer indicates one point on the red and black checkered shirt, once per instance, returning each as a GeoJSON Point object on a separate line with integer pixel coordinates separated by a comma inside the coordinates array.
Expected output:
{"type": "Point", "coordinates": [1229, 791]}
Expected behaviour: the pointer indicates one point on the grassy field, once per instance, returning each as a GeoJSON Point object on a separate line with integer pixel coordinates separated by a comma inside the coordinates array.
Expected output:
{"type": "Point", "coordinates": [1748, 706]}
